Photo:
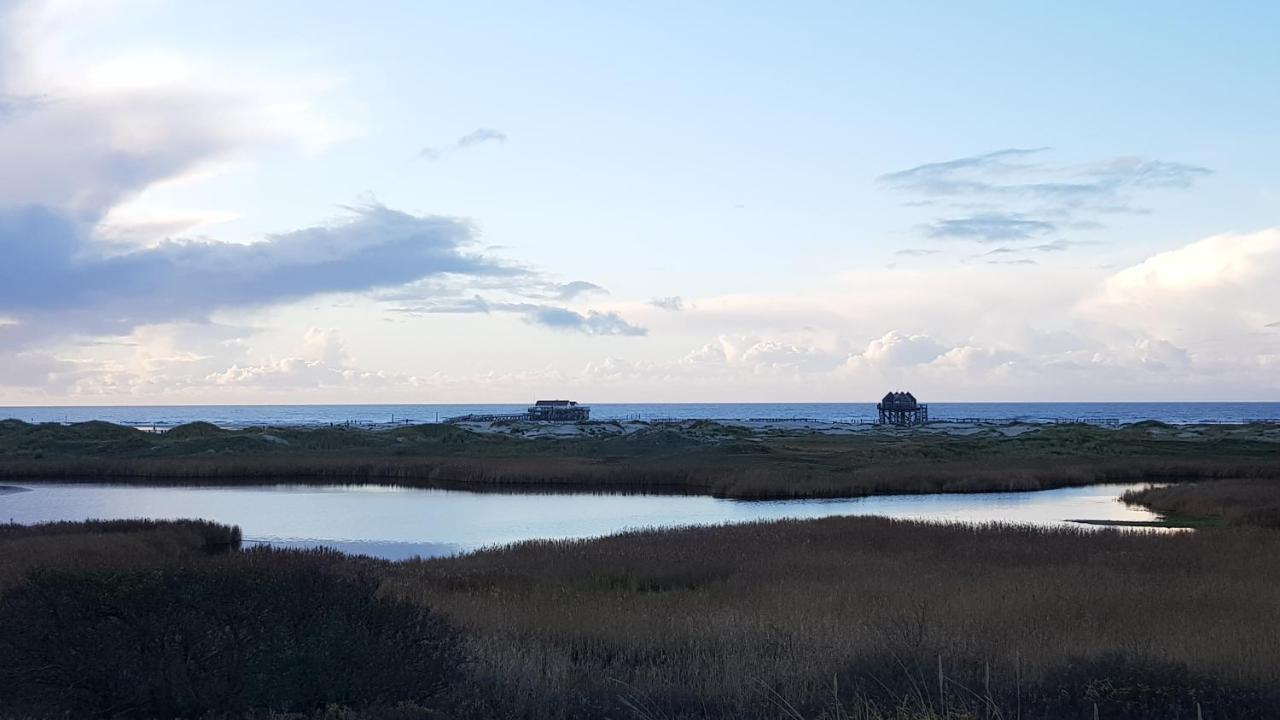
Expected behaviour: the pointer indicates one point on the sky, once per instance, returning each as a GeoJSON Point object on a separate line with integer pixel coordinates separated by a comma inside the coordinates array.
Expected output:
{"type": "Point", "coordinates": [418, 202]}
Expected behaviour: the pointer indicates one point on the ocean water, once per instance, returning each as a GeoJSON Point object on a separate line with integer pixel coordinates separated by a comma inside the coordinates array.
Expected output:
{"type": "Point", "coordinates": [247, 415]}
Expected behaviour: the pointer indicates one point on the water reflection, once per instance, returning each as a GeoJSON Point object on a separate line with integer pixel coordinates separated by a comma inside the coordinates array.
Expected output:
{"type": "Point", "coordinates": [397, 523]}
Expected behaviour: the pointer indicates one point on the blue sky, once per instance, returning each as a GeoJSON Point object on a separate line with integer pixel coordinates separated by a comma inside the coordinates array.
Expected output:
{"type": "Point", "coordinates": [321, 202]}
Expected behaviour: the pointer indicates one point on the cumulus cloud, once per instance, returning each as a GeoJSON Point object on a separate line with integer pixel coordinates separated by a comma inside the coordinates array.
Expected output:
{"type": "Point", "coordinates": [1219, 287]}
{"type": "Point", "coordinates": [895, 350]}
{"type": "Point", "coordinates": [773, 354]}
{"type": "Point", "coordinates": [1214, 263]}
{"type": "Point", "coordinates": [321, 361]}
{"type": "Point", "coordinates": [970, 359]}
{"type": "Point", "coordinates": [1025, 197]}
{"type": "Point", "coordinates": [479, 136]}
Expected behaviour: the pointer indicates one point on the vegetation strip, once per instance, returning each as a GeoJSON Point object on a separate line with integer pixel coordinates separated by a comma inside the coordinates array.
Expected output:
{"type": "Point", "coordinates": [695, 457]}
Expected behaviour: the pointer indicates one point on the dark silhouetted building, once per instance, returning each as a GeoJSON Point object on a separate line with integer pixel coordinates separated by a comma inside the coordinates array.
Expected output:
{"type": "Point", "coordinates": [901, 408]}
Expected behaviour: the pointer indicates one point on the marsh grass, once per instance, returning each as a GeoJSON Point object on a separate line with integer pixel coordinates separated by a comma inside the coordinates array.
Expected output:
{"type": "Point", "coordinates": [117, 544]}
{"type": "Point", "coordinates": [872, 618]}
{"type": "Point", "coordinates": [1238, 502]}
{"type": "Point", "coordinates": [167, 620]}
{"type": "Point", "coordinates": [695, 458]}
{"type": "Point", "coordinates": [860, 618]}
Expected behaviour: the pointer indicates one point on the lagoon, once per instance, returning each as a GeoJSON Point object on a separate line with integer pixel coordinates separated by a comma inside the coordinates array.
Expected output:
{"type": "Point", "coordinates": [398, 523]}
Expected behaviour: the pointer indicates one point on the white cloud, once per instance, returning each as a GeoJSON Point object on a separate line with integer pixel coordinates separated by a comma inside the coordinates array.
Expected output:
{"type": "Point", "coordinates": [895, 349]}
{"type": "Point", "coordinates": [93, 131]}
{"type": "Point", "coordinates": [1221, 261]}
{"type": "Point", "coordinates": [1224, 287]}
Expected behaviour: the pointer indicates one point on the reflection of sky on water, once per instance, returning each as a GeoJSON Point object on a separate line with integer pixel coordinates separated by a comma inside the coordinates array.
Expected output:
{"type": "Point", "coordinates": [401, 522]}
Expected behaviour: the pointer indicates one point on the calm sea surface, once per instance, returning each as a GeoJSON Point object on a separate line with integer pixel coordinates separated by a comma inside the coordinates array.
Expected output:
{"type": "Point", "coordinates": [245, 415]}
{"type": "Point", "coordinates": [397, 523]}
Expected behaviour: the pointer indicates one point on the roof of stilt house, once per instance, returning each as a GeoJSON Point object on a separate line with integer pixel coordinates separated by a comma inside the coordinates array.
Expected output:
{"type": "Point", "coordinates": [899, 401]}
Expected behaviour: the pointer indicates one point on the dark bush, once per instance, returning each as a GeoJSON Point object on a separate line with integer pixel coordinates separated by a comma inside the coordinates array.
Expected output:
{"type": "Point", "coordinates": [290, 631]}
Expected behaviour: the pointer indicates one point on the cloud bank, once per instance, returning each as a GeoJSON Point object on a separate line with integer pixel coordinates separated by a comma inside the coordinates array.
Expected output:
{"type": "Point", "coordinates": [55, 273]}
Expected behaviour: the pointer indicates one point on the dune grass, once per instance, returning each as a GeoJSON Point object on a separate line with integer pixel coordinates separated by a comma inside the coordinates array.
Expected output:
{"type": "Point", "coordinates": [693, 457]}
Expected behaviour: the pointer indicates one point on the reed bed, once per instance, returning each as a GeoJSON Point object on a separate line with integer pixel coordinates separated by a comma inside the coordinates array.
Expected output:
{"type": "Point", "coordinates": [833, 619]}
{"type": "Point", "coordinates": [113, 544]}
{"type": "Point", "coordinates": [843, 613]}
{"type": "Point", "coordinates": [1237, 501]}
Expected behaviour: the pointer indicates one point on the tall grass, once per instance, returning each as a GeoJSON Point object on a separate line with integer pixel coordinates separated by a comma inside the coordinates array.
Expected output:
{"type": "Point", "coordinates": [873, 614]}
{"type": "Point", "coordinates": [176, 632]}
{"type": "Point", "coordinates": [1237, 502]}
{"type": "Point", "coordinates": [862, 618]}
{"type": "Point", "coordinates": [116, 544]}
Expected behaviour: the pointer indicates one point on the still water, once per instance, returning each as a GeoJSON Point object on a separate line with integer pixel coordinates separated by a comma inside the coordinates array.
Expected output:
{"type": "Point", "coordinates": [398, 523]}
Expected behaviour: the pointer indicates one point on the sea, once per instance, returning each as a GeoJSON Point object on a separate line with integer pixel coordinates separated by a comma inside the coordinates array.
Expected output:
{"type": "Point", "coordinates": [232, 416]}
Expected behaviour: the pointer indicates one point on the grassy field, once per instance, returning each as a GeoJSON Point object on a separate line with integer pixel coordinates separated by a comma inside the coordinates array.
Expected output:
{"type": "Point", "coordinates": [860, 618]}
{"type": "Point", "coordinates": [691, 457]}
